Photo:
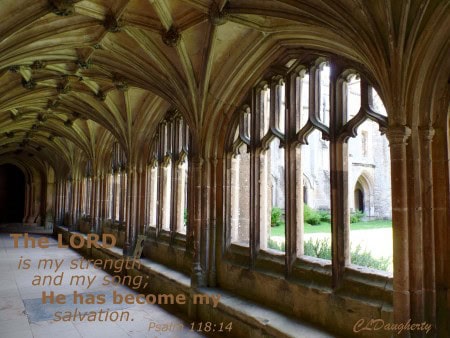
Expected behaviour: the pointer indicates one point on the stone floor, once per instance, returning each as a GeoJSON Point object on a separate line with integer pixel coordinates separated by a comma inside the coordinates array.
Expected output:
{"type": "Point", "coordinates": [23, 315]}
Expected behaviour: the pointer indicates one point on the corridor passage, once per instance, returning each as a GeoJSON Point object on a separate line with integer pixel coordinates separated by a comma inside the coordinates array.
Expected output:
{"type": "Point", "coordinates": [23, 315]}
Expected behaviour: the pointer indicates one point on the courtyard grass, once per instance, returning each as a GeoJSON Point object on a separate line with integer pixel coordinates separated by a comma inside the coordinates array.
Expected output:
{"type": "Point", "coordinates": [325, 227]}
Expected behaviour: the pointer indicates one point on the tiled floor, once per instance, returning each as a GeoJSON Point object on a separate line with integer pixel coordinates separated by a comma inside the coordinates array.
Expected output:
{"type": "Point", "coordinates": [23, 315]}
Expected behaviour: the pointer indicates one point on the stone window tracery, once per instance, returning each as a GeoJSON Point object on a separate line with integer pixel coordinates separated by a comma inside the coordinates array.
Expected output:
{"type": "Point", "coordinates": [167, 175]}
{"type": "Point", "coordinates": [294, 123]}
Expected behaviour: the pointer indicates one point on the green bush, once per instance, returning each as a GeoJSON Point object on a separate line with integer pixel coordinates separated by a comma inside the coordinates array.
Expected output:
{"type": "Point", "coordinates": [276, 217]}
{"type": "Point", "coordinates": [275, 245]}
{"type": "Point", "coordinates": [365, 258]}
{"type": "Point", "coordinates": [356, 216]}
{"type": "Point", "coordinates": [321, 248]}
{"type": "Point", "coordinates": [310, 215]}
{"type": "Point", "coordinates": [325, 216]}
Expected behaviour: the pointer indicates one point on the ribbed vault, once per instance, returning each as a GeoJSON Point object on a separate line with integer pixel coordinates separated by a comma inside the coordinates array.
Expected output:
{"type": "Point", "coordinates": [76, 76]}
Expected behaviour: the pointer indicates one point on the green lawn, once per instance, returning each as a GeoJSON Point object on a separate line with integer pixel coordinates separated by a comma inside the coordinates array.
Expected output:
{"type": "Point", "coordinates": [326, 227]}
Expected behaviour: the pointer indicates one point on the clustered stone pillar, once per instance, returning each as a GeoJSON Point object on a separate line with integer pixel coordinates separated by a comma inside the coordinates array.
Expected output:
{"type": "Point", "coordinates": [131, 203]}
{"type": "Point", "coordinates": [429, 272]}
{"type": "Point", "coordinates": [195, 220]}
{"type": "Point", "coordinates": [398, 136]}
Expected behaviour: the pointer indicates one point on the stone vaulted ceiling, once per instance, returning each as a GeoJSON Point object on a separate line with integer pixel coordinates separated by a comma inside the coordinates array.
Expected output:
{"type": "Point", "coordinates": [76, 75]}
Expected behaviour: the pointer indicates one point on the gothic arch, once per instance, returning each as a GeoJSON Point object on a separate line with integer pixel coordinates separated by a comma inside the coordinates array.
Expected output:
{"type": "Point", "coordinates": [365, 185]}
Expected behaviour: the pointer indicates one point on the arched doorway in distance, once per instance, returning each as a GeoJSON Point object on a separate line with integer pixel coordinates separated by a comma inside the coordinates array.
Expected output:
{"type": "Point", "coordinates": [12, 194]}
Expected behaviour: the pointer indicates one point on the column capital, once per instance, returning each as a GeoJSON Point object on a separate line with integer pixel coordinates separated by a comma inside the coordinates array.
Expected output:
{"type": "Point", "coordinates": [398, 135]}
{"type": "Point", "coordinates": [427, 132]}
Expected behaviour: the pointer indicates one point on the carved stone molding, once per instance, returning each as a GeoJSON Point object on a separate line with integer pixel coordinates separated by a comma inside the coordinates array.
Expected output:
{"type": "Point", "coordinates": [112, 24]}
{"type": "Point", "coordinates": [84, 64]}
{"type": "Point", "coordinates": [398, 135]}
{"type": "Point", "coordinates": [218, 17]}
{"type": "Point", "coordinates": [14, 68]}
{"type": "Point", "coordinates": [52, 104]}
{"type": "Point", "coordinates": [63, 87]}
{"type": "Point", "coordinates": [62, 7]}
{"type": "Point", "coordinates": [100, 95]}
{"type": "Point", "coordinates": [171, 37]}
{"type": "Point", "coordinates": [38, 64]}
{"type": "Point", "coordinates": [76, 115]}
{"type": "Point", "coordinates": [427, 133]}
{"type": "Point", "coordinates": [15, 116]}
{"type": "Point", "coordinates": [29, 84]}
{"type": "Point", "coordinates": [120, 83]}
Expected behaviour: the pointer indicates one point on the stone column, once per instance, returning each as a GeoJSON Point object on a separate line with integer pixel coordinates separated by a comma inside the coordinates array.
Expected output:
{"type": "Point", "coordinates": [102, 200]}
{"type": "Point", "coordinates": [72, 207]}
{"type": "Point", "coordinates": [291, 161]}
{"type": "Point", "coordinates": [195, 215]}
{"type": "Point", "coordinates": [339, 209]}
{"type": "Point", "coordinates": [397, 136]}
{"type": "Point", "coordinates": [205, 218]}
{"type": "Point", "coordinates": [441, 216]}
{"type": "Point", "coordinates": [429, 272]}
{"type": "Point", "coordinates": [130, 208]}
{"type": "Point", "coordinates": [140, 204]}
{"type": "Point", "coordinates": [212, 276]}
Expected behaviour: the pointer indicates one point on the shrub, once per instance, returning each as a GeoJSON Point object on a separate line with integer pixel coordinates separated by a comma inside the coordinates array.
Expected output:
{"type": "Point", "coordinates": [275, 245]}
{"type": "Point", "coordinates": [310, 215]}
{"type": "Point", "coordinates": [325, 216]}
{"type": "Point", "coordinates": [356, 216]}
{"type": "Point", "coordinates": [276, 217]}
{"type": "Point", "coordinates": [321, 248]}
{"type": "Point", "coordinates": [365, 258]}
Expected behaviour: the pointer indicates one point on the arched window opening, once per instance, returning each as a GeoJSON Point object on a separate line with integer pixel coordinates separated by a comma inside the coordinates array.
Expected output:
{"type": "Point", "coordinates": [239, 187]}
{"type": "Point", "coordinates": [167, 176]}
{"type": "Point", "coordinates": [324, 93]}
{"type": "Point", "coordinates": [314, 219]}
{"type": "Point", "coordinates": [318, 126]}
{"type": "Point", "coordinates": [118, 184]}
{"type": "Point", "coordinates": [369, 185]}
{"type": "Point", "coordinates": [273, 197]}
{"type": "Point", "coordinates": [353, 96]}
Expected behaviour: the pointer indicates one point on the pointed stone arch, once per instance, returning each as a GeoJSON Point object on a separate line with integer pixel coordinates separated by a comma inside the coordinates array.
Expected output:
{"type": "Point", "coordinates": [363, 198]}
